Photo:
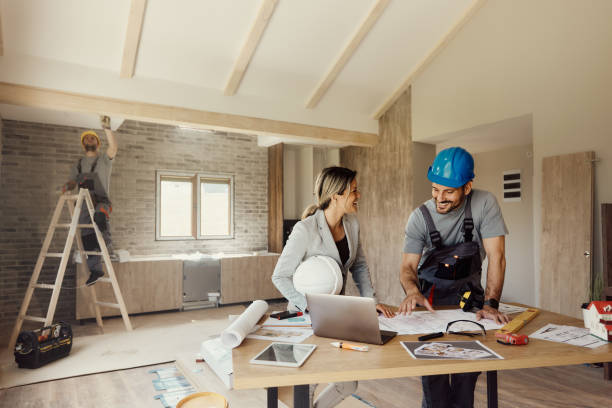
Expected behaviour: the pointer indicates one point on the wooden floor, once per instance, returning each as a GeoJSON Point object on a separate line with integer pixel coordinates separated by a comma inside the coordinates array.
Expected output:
{"type": "Point", "coordinates": [569, 386]}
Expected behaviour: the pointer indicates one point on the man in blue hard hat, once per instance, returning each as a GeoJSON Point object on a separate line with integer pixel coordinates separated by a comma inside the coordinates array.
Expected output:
{"type": "Point", "coordinates": [446, 240]}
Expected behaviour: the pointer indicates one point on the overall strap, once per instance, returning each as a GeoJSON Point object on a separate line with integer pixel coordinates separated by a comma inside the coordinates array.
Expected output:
{"type": "Point", "coordinates": [95, 163]}
{"type": "Point", "coordinates": [434, 235]}
{"type": "Point", "coordinates": [93, 166]}
{"type": "Point", "coordinates": [468, 221]}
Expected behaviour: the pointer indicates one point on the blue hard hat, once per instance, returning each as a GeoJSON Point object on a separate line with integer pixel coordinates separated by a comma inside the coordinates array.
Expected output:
{"type": "Point", "coordinates": [452, 167]}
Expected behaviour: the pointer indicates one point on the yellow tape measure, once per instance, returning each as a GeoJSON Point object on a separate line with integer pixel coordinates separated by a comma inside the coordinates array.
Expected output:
{"type": "Point", "coordinates": [519, 321]}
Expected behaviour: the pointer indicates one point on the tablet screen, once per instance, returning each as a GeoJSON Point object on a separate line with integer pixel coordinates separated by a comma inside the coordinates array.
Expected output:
{"type": "Point", "coordinates": [285, 354]}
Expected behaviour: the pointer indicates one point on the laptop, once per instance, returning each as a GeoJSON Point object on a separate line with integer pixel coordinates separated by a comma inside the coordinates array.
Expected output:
{"type": "Point", "coordinates": [346, 318]}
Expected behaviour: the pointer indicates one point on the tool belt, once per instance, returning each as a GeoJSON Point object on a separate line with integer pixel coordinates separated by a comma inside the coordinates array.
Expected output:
{"type": "Point", "coordinates": [448, 269]}
{"type": "Point", "coordinates": [39, 347]}
{"type": "Point", "coordinates": [453, 262]}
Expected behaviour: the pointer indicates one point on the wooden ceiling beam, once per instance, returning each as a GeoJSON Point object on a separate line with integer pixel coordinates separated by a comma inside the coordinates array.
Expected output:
{"type": "Point", "coordinates": [23, 95]}
{"type": "Point", "coordinates": [346, 54]}
{"type": "Point", "coordinates": [250, 45]}
{"type": "Point", "coordinates": [471, 11]}
{"type": "Point", "coordinates": [132, 38]}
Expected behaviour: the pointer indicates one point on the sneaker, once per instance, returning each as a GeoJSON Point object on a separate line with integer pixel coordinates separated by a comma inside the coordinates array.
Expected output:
{"type": "Point", "coordinates": [93, 277]}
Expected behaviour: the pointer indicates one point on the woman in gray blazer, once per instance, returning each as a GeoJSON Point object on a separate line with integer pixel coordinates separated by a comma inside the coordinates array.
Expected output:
{"type": "Point", "coordinates": [328, 228]}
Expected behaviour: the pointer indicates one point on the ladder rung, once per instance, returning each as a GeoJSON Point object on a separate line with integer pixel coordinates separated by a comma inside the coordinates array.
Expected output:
{"type": "Point", "coordinates": [115, 305]}
{"type": "Point", "coordinates": [78, 226]}
{"type": "Point", "coordinates": [55, 254]}
{"type": "Point", "coordinates": [44, 286]}
{"type": "Point", "coordinates": [92, 253]}
{"type": "Point", "coordinates": [34, 318]}
{"type": "Point", "coordinates": [106, 280]}
{"type": "Point", "coordinates": [71, 197]}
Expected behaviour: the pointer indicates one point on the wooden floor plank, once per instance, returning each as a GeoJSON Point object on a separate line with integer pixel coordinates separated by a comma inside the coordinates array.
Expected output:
{"type": "Point", "coordinates": [569, 386]}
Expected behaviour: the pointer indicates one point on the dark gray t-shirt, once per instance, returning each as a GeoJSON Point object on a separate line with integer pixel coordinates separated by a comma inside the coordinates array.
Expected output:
{"type": "Point", "coordinates": [103, 169]}
{"type": "Point", "coordinates": [488, 223]}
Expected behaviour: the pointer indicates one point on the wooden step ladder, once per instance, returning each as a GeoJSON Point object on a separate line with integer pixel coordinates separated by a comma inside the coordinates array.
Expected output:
{"type": "Point", "coordinates": [73, 227]}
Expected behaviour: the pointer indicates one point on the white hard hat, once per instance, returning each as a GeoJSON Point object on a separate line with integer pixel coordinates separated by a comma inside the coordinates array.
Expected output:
{"type": "Point", "coordinates": [318, 274]}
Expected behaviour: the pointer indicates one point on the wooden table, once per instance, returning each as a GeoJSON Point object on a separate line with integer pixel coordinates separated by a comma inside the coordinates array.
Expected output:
{"type": "Point", "coordinates": [329, 364]}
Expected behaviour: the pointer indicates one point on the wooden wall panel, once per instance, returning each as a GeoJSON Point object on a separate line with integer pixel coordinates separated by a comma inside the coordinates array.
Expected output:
{"type": "Point", "coordinates": [606, 244]}
{"type": "Point", "coordinates": [275, 198]}
{"type": "Point", "coordinates": [567, 232]}
{"type": "Point", "coordinates": [385, 177]}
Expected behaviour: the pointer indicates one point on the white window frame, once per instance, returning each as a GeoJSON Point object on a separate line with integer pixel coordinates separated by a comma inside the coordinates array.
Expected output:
{"type": "Point", "coordinates": [220, 177]}
{"type": "Point", "coordinates": [195, 178]}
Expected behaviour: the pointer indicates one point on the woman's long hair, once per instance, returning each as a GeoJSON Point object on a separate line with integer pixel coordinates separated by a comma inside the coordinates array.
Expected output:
{"type": "Point", "coordinates": [330, 181]}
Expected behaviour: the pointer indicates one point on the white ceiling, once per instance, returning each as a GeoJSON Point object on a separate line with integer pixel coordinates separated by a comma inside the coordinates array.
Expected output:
{"type": "Point", "coordinates": [489, 137]}
{"type": "Point", "coordinates": [188, 48]}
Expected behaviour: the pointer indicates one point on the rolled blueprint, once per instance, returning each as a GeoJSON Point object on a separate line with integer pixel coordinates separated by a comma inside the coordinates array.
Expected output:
{"type": "Point", "coordinates": [233, 335]}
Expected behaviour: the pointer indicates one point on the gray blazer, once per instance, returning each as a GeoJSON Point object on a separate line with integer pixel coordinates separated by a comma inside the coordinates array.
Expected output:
{"type": "Point", "coordinates": [312, 236]}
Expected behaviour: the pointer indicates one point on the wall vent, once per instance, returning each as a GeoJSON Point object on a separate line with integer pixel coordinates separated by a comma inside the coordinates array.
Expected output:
{"type": "Point", "coordinates": [512, 185]}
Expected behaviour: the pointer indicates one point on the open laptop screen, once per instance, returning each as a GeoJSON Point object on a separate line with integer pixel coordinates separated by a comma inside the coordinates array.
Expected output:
{"type": "Point", "coordinates": [345, 318]}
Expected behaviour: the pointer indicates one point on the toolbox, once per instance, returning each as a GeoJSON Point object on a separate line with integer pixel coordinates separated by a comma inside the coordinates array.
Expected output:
{"type": "Point", "coordinates": [38, 347]}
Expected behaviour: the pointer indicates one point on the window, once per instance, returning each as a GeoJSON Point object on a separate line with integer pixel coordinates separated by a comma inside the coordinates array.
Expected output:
{"type": "Point", "coordinates": [194, 206]}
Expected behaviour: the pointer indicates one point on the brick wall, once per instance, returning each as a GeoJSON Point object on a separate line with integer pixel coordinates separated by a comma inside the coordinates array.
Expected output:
{"type": "Point", "coordinates": [36, 161]}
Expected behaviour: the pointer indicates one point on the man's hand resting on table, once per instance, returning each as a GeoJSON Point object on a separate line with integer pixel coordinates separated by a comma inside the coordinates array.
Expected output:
{"type": "Point", "coordinates": [487, 312]}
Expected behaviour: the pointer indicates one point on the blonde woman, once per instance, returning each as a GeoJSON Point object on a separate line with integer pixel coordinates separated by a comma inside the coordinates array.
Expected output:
{"type": "Point", "coordinates": [329, 228]}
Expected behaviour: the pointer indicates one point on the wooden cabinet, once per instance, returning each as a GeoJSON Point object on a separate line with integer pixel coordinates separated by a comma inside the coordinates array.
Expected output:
{"type": "Point", "coordinates": [156, 285]}
{"type": "Point", "coordinates": [248, 278]}
{"type": "Point", "coordinates": [146, 286]}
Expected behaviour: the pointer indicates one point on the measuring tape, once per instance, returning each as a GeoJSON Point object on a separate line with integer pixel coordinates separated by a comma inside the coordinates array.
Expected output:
{"type": "Point", "coordinates": [519, 321]}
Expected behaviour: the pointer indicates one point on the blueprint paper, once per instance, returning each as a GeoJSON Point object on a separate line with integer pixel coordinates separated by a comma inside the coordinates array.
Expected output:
{"type": "Point", "coordinates": [283, 334]}
{"type": "Point", "coordinates": [427, 322]}
{"type": "Point", "coordinates": [576, 336]}
{"type": "Point", "coordinates": [510, 309]}
{"type": "Point", "coordinates": [233, 335]}
{"type": "Point", "coordinates": [298, 321]}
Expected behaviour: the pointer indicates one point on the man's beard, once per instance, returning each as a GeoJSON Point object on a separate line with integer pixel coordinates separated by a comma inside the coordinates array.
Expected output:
{"type": "Point", "coordinates": [451, 207]}
{"type": "Point", "coordinates": [91, 148]}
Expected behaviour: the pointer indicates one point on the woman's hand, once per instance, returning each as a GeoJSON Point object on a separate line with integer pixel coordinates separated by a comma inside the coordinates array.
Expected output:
{"type": "Point", "coordinates": [385, 310]}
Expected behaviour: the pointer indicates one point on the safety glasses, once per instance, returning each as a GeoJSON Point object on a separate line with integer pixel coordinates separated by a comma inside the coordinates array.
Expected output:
{"type": "Point", "coordinates": [467, 327]}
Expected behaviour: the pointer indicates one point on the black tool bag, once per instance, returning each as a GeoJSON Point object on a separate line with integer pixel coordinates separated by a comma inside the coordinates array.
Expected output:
{"type": "Point", "coordinates": [39, 347]}
{"type": "Point", "coordinates": [450, 268]}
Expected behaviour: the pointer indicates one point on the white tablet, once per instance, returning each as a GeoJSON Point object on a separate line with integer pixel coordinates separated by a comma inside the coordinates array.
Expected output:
{"type": "Point", "coordinates": [284, 354]}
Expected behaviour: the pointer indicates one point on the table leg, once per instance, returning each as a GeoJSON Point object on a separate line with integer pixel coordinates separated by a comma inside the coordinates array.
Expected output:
{"type": "Point", "coordinates": [272, 397]}
{"type": "Point", "coordinates": [301, 396]}
{"type": "Point", "coordinates": [492, 389]}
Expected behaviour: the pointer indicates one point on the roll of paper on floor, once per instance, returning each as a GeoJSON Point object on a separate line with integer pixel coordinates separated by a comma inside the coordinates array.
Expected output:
{"type": "Point", "coordinates": [431, 336]}
{"type": "Point", "coordinates": [349, 346]}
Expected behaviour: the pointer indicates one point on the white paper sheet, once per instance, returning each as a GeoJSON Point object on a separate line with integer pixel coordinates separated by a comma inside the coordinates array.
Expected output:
{"type": "Point", "coordinates": [510, 309]}
{"type": "Point", "coordinates": [427, 322]}
{"type": "Point", "coordinates": [576, 336]}
{"type": "Point", "coordinates": [243, 325]}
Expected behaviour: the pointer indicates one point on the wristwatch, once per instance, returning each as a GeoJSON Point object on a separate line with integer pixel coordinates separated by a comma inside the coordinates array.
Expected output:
{"type": "Point", "coordinates": [492, 303]}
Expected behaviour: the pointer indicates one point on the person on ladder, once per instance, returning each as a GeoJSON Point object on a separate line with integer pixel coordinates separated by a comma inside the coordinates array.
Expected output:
{"type": "Point", "coordinates": [93, 172]}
